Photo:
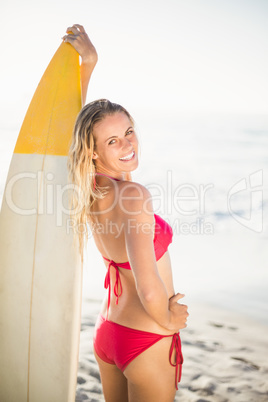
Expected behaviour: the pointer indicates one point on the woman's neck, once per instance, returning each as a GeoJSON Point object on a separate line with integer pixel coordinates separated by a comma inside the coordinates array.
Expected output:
{"type": "Point", "coordinates": [123, 176]}
{"type": "Point", "coordinates": [111, 177]}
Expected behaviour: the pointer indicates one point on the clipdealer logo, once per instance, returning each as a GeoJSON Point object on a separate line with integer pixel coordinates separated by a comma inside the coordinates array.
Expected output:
{"type": "Point", "coordinates": [252, 189]}
{"type": "Point", "coordinates": [187, 200]}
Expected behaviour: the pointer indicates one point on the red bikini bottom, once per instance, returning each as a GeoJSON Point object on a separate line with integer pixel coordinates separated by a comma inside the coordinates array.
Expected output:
{"type": "Point", "coordinates": [119, 345]}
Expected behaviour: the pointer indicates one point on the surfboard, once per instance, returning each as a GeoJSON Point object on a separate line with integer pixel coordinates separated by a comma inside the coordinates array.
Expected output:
{"type": "Point", "coordinates": [40, 269]}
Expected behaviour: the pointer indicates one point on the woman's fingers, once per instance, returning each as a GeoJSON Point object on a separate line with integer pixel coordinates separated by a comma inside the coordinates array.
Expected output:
{"type": "Point", "coordinates": [179, 316]}
{"type": "Point", "coordinates": [76, 29]}
{"type": "Point", "coordinates": [69, 38]}
{"type": "Point", "coordinates": [79, 39]}
{"type": "Point", "coordinates": [73, 30]}
{"type": "Point", "coordinates": [176, 297]}
{"type": "Point", "coordinates": [178, 310]}
{"type": "Point", "coordinates": [80, 27]}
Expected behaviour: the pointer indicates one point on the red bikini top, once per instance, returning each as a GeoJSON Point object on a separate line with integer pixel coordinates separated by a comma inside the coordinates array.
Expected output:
{"type": "Point", "coordinates": [162, 238]}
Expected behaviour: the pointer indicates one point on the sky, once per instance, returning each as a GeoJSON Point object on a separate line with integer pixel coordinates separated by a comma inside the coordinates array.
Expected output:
{"type": "Point", "coordinates": [177, 56]}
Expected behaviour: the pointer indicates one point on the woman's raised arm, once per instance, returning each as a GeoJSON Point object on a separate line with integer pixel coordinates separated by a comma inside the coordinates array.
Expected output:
{"type": "Point", "coordinates": [139, 221]}
{"type": "Point", "coordinates": [78, 38]}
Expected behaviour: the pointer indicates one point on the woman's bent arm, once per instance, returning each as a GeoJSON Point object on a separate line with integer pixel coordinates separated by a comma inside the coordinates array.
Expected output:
{"type": "Point", "coordinates": [79, 39]}
{"type": "Point", "coordinates": [139, 234]}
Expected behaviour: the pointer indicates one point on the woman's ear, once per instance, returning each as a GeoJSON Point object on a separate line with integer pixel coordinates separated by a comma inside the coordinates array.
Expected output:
{"type": "Point", "coordinates": [94, 155]}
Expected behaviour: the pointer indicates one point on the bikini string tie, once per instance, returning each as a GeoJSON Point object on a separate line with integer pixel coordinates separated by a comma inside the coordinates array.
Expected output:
{"type": "Point", "coordinates": [176, 346]}
{"type": "Point", "coordinates": [117, 286]}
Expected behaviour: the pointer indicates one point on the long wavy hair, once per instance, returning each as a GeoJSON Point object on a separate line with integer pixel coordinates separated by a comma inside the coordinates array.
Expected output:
{"type": "Point", "coordinates": [82, 168]}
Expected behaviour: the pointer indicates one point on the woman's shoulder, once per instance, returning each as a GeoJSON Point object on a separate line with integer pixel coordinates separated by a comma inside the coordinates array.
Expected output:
{"type": "Point", "coordinates": [134, 198]}
{"type": "Point", "coordinates": [134, 190]}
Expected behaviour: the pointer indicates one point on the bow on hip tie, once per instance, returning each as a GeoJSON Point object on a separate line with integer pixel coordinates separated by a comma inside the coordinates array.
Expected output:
{"type": "Point", "coordinates": [176, 346]}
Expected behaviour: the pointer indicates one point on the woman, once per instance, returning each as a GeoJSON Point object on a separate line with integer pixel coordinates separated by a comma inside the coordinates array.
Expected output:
{"type": "Point", "coordinates": [136, 339]}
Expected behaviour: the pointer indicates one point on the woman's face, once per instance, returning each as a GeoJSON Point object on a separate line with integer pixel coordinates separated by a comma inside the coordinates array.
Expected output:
{"type": "Point", "coordinates": [116, 144]}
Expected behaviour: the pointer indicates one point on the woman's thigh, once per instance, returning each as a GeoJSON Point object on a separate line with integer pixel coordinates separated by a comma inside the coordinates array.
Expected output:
{"type": "Point", "coordinates": [151, 378]}
{"type": "Point", "coordinates": [114, 383]}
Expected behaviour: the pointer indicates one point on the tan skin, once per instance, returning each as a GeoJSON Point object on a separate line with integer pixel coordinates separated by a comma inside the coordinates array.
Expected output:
{"type": "Point", "coordinates": [148, 301]}
{"type": "Point", "coordinates": [79, 39]}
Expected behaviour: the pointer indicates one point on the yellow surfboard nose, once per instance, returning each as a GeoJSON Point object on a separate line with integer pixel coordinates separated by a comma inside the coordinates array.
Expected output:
{"type": "Point", "coordinates": [47, 126]}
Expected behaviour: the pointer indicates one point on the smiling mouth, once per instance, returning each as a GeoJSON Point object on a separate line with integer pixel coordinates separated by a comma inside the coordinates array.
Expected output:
{"type": "Point", "coordinates": [128, 157]}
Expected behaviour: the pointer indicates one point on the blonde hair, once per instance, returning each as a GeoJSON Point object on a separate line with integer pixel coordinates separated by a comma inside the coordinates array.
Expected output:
{"type": "Point", "coordinates": [81, 166]}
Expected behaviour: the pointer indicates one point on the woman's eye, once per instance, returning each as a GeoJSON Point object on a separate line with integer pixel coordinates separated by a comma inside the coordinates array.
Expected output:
{"type": "Point", "coordinates": [127, 133]}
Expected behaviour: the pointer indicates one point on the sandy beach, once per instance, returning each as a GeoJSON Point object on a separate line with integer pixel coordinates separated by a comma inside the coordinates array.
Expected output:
{"type": "Point", "coordinates": [225, 357]}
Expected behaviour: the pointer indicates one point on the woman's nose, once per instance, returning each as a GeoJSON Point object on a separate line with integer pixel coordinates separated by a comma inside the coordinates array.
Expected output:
{"type": "Point", "coordinates": [127, 145]}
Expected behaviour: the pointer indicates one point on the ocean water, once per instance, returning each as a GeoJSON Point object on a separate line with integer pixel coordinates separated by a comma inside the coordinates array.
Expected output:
{"type": "Point", "coordinates": [208, 176]}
